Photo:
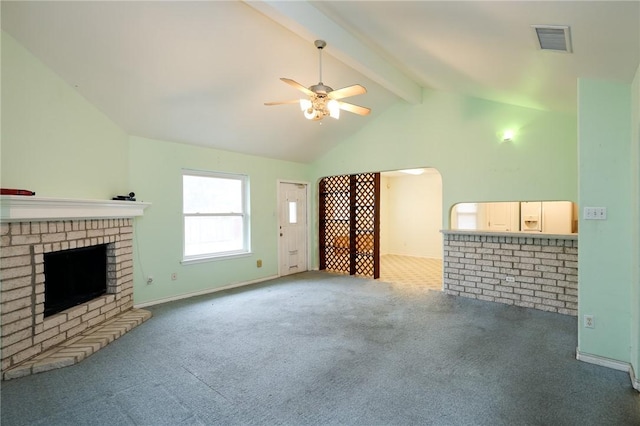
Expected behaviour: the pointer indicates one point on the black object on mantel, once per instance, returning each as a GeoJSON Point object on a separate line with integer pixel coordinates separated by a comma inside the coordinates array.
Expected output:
{"type": "Point", "coordinates": [130, 197]}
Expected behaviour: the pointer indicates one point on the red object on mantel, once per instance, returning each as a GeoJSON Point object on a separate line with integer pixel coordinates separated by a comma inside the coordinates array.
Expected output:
{"type": "Point", "coordinates": [9, 191]}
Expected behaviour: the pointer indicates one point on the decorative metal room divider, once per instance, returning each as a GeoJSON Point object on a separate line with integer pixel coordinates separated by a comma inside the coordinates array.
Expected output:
{"type": "Point", "coordinates": [350, 224]}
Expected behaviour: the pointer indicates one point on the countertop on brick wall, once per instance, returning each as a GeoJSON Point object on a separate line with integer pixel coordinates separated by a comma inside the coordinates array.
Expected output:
{"type": "Point", "coordinates": [511, 234]}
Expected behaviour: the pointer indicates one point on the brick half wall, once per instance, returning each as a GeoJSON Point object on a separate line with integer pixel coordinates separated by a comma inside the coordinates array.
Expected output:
{"type": "Point", "coordinates": [533, 271]}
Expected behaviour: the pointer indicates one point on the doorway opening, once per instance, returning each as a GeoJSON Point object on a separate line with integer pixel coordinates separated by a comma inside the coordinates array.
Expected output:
{"type": "Point", "coordinates": [410, 225]}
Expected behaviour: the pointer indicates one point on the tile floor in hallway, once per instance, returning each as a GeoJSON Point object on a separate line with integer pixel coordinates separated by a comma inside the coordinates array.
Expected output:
{"type": "Point", "coordinates": [411, 273]}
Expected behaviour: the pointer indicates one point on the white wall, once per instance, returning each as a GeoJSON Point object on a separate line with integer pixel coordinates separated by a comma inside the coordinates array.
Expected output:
{"type": "Point", "coordinates": [411, 215]}
{"type": "Point", "coordinates": [385, 212]}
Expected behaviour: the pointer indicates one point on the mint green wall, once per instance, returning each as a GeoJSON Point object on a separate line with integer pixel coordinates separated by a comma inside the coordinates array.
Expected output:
{"type": "Point", "coordinates": [155, 176]}
{"type": "Point", "coordinates": [460, 136]}
{"type": "Point", "coordinates": [54, 141]}
{"type": "Point", "coordinates": [635, 221]}
{"type": "Point", "coordinates": [604, 256]}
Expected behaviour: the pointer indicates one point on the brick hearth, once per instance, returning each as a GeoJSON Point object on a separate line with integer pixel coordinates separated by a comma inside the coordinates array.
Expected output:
{"type": "Point", "coordinates": [76, 349]}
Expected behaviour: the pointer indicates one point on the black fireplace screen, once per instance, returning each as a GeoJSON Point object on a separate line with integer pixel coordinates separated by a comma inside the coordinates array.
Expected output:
{"type": "Point", "coordinates": [73, 277]}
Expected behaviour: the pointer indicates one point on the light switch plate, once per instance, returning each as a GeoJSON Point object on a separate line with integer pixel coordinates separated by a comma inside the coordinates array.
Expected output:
{"type": "Point", "coordinates": [595, 213]}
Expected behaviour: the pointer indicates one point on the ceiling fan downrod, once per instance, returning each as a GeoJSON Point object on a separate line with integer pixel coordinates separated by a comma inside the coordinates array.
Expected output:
{"type": "Point", "coordinates": [320, 89]}
{"type": "Point", "coordinates": [320, 44]}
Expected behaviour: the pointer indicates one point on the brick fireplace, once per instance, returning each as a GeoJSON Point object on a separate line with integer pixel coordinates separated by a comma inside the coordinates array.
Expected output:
{"type": "Point", "coordinates": [30, 228]}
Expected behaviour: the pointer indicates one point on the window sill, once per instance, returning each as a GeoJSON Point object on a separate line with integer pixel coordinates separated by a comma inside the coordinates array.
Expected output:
{"type": "Point", "coordinates": [213, 258]}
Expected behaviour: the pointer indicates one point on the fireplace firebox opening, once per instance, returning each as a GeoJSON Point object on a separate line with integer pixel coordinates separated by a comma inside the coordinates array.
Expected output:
{"type": "Point", "coordinates": [73, 277]}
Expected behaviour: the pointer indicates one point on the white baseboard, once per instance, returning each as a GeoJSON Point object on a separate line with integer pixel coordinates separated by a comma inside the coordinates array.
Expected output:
{"type": "Point", "coordinates": [610, 363]}
{"type": "Point", "coordinates": [200, 293]}
{"type": "Point", "coordinates": [602, 361]}
{"type": "Point", "coordinates": [635, 382]}
{"type": "Point", "coordinates": [412, 255]}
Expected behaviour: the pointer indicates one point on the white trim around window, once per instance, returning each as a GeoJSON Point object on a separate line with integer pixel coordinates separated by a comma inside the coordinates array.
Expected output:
{"type": "Point", "coordinates": [215, 216]}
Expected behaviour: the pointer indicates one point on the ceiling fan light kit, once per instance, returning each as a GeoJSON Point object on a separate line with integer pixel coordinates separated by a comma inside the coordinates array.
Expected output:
{"type": "Point", "coordinates": [322, 100]}
{"type": "Point", "coordinates": [318, 108]}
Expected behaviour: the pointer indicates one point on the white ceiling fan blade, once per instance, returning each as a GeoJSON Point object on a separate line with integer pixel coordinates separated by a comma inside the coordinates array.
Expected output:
{"type": "Point", "coordinates": [346, 92]}
{"type": "Point", "coordinates": [356, 109]}
{"type": "Point", "coordinates": [293, 101]}
{"type": "Point", "coordinates": [298, 86]}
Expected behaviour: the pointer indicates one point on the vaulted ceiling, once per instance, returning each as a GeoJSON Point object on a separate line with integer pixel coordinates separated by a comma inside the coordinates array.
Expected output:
{"type": "Point", "coordinates": [199, 72]}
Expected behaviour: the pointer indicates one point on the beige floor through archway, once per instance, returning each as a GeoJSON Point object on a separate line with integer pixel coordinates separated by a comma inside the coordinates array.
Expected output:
{"type": "Point", "coordinates": [411, 273]}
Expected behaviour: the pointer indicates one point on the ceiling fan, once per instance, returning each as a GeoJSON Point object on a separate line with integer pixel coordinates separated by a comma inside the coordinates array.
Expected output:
{"type": "Point", "coordinates": [323, 100]}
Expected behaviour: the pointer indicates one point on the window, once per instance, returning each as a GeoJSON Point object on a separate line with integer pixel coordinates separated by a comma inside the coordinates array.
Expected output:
{"type": "Point", "coordinates": [467, 215]}
{"type": "Point", "coordinates": [216, 215]}
{"type": "Point", "coordinates": [293, 212]}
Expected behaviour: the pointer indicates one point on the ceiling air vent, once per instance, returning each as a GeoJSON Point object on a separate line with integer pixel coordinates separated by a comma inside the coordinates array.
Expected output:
{"type": "Point", "coordinates": [553, 37]}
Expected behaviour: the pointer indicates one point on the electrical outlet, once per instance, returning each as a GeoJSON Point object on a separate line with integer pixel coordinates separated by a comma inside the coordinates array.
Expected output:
{"type": "Point", "coordinates": [589, 321]}
{"type": "Point", "coordinates": [511, 279]}
{"type": "Point", "coordinates": [259, 263]}
{"type": "Point", "coordinates": [174, 276]}
{"type": "Point", "coordinates": [149, 279]}
{"type": "Point", "coordinates": [595, 213]}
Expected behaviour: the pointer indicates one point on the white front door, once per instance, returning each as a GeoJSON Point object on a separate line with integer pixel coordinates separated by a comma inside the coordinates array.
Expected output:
{"type": "Point", "coordinates": [292, 228]}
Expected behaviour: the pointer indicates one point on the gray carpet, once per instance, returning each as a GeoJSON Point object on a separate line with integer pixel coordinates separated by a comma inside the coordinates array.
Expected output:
{"type": "Point", "coordinates": [322, 349]}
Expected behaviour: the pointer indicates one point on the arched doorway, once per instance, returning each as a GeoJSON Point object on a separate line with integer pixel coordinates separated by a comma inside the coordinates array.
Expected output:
{"type": "Point", "coordinates": [410, 224]}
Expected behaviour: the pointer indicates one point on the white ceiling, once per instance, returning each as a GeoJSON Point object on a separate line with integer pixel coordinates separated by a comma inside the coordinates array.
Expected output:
{"type": "Point", "coordinates": [199, 72]}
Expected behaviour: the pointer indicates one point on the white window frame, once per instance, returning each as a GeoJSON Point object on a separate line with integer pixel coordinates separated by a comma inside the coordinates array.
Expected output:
{"type": "Point", "coordinates": [467, 210]}
{"type": "Point", "coordinates": [245, 214]}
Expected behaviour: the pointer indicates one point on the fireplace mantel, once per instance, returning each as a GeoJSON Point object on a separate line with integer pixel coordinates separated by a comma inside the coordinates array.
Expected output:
{"type": "Point", "coordinates": [17, 208]}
